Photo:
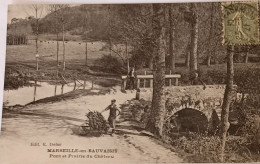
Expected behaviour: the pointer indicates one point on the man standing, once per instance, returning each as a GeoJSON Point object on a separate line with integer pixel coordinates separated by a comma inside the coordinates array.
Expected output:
{"type": "Point", "coordinates": [132, 76]}
{"type": "Point", "coordinates": [112, 114]}
{"type": "Point", "coordinates": [195, 80]}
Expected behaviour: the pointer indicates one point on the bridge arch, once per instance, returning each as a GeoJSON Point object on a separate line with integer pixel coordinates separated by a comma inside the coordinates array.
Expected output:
{"type": "Point", "coordinates": [194, 120]}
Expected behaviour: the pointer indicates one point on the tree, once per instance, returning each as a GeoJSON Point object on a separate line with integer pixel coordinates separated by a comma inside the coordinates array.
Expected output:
{"type": "Point", "coordinates": [187, 57]}
{"type": "Point", "coordinates": [211, 43]}
{"type": "Point", "coordinates": [194, 39]}
{"type": "Point", "coordinates": [132, 24]}
{"type": "Point", "coordinates": [85, 30]}
{"type": "Point", "coordinates": [62, 7]}
{"type": "Point", "coordinates": [54, 9]}
{"type": "Point", "coordinates": [227, 100]}
{"type": "Point", "coordinates": [86, 41]}
{"type": "Point", "coordinates": [37, 9]}
{"type": "Point", "coordinates": [59, 25]}
{"type": "Point", "coordinates": [109, 26]}
{"type": "Point", "coordinates": [171, 43]}
{"type": "Point", "coordinates": [210, 34]}
{"type": "Point", "coordinates": [246, 55]}
{"type": "Point", "coordinates": [156, 121]}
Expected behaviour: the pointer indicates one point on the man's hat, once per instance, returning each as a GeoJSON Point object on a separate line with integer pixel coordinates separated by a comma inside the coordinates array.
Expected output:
{"type": "Point", "coordinates": [113, 100]}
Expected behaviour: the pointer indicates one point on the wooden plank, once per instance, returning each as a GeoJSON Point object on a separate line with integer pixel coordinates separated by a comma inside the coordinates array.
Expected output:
{"type": "Point", "coordinates": [151, 76]}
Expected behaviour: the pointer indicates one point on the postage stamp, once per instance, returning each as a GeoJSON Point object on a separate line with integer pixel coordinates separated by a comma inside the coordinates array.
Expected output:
{"type": "Point", "coordinates": [240, 23]}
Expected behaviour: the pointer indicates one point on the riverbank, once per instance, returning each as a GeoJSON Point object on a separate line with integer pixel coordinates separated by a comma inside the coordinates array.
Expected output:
{"type": "Point", "coordinates": [63, 97]}
{"type": "Point", "coordinates": [19, 75]}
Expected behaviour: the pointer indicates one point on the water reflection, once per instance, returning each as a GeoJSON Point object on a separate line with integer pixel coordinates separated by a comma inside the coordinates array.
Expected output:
{"type": "Point", "coordinates": [41, 90]}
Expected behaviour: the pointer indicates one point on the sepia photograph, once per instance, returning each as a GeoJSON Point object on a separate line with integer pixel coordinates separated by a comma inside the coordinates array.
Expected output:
{"type": "Point", "coordinates": [131, 83]}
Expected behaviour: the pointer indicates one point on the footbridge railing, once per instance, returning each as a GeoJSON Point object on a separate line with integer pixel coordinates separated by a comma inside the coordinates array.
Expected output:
{"type": "Point", "coordinates": [146, 81]}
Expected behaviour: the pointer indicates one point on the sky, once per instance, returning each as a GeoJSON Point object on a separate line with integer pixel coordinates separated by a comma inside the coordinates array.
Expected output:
{"type": "Point", "coordinates": [23, 11]}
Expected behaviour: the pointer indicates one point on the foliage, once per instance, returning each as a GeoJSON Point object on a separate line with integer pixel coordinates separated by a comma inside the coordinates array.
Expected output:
{"type": "Point", "coordinates": [15, 80]}
{"type": "Point", "coordinates": [206, 148]}
{"type": "Point", "coordinates": [247, 78]}
{"type": "Point", "coordinates": [21, 27]}
{"type": "Point", "coordinates": [110, 64]}
{"type": "Point", "coordinates": [202, 148]}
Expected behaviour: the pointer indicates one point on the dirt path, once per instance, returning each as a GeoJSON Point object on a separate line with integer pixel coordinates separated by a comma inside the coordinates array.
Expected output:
{"type": "Point", "coordinates": [55, 123]}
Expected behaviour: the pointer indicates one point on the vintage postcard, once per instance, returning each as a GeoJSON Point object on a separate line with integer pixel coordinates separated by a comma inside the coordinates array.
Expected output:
{"type": "Point", "coordinates": [131, 83]}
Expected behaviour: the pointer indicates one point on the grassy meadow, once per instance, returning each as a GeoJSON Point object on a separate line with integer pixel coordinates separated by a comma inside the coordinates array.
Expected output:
{"type": "Point", "coordinates": [20, 59]}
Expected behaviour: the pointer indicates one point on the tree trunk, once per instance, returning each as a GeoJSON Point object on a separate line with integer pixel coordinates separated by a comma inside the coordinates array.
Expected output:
{"type": "Point", "coordinates": [36, 40]}
{"type": "Point", "coordinates": [63, 45]}
{"type": "Point", "coordinates": [156, 120]}
{"type": "Point", "coordinates": [150, 63]}
{"type": "Point", "coordinates": [187, 60]}
{"type": "Point", "coordinates": [86, 42]}
{"type": "Point", "coordinates": [246, 56]}
{"type": "Point", "coordinates": [57, 49]}
{"type": "Point", "coordinates": [171, 46]}
{"type": "Point", "coordinates": [187, 57]}
{"type": "Point", "coordinates": [127, 57]}
{"type": "Point", "coordinates": [194, 40]}
{"type": "Point", "coordinates": [109, 24]}
{"type": "Point", "coordinates": [227, 100]}
{"type": "Point", "coordinates": [210, 50]}
{"type": "Point", "coordinates": [208, 60]}
{"type": "Point", "coordinates": [86, 53]}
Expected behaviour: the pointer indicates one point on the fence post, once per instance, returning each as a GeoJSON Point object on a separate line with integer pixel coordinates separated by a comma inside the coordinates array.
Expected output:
{"type": "Point", "coordinates": [37, 63]}
{"type": "Point", "coordinates": [123, 84]}
{"type": "Point", "coordinates": [34, 93]}
{"type": "Point", "coordinates": [84, 84]}
{"type": "Point", "coordinates": [176, 82]}
{"type": "Point", "coordinates": [75, 84]}
{"type": "Point", "coordinates": [138, 83]}
{"type": "Point", "coordinates": [151, 83]}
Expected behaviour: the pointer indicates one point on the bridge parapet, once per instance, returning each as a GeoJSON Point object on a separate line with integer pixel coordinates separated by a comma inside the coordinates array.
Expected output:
{"type": "Point", "coordinates": [147, 80]}
{"type": "Point", "coordinates": [181, 97]}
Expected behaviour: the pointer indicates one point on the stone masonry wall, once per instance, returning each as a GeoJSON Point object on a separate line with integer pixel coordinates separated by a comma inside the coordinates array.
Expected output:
{"type": "Point", "coordinates": [180, 97]}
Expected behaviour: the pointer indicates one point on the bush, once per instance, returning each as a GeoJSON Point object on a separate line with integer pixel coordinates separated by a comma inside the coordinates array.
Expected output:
{"type": "Point", "coordinates": [111, 64]}
{"type": "Point", "coordinates": [14, 81]}
{"type": "Point", "coordinates": [204, 148]}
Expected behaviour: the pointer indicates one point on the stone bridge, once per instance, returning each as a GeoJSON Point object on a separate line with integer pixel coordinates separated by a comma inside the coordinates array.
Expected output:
{"type": "Point", "coordinates": [194, 97]}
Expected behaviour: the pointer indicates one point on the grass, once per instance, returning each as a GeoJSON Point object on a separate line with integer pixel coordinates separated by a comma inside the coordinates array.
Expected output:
{"type": "Point", "coordinates": [75, 52]}
{"type": "Point", "coordinates": [20, 59]}
{"type": "Point", "coordinates": [51, 37]}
